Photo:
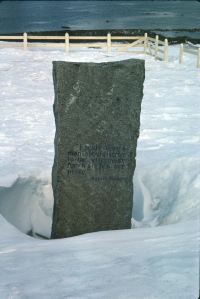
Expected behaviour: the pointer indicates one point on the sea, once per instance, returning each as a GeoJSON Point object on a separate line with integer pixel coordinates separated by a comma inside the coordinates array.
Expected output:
{"type": "Point", "coordinates": [174, 18]}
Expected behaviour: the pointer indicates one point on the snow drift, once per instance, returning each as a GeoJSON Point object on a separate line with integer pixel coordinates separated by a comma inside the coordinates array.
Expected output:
{"type": "Point", "coordinates": [27, 204]}
{"type": "Point", "coordinates": [151, 263]}
{"type": "Point", "coordinates": [167, 192]}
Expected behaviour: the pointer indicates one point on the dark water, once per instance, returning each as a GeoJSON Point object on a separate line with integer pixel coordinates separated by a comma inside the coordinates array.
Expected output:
{"type": "Point", "coordinates": [26, 16]}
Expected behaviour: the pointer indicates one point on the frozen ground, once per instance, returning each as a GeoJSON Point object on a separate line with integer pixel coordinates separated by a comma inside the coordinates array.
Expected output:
{"type": "Point", "coordinates": [152, 262]}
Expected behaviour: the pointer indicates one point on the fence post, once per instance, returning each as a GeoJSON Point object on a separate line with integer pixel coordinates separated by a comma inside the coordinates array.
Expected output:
{"type": "Point", "coordinates": [145, 42]}
{"type": "Point", "coordinates": [198, 58]}
{"type": "Point", "coordinates": [25, 39]}
{"type": "Point", "coordinates": [166, 52]}
{"type": "Point", "coordinates": [156, 46]}
{"type": "Point", "coordinates": [181, 54]}
{"type": "Point", "coordinates": [66, 42]}
{"type": "Point", "coordinates": [109, 45]}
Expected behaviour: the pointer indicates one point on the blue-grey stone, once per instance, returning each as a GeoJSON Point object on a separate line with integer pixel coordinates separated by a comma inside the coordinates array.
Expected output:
{"type": "Point", "coordinates": [97, 114]}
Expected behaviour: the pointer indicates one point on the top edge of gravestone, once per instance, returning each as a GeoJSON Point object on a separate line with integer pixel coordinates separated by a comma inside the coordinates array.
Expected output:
{"type": "Point", "coordinates": [131, 61]}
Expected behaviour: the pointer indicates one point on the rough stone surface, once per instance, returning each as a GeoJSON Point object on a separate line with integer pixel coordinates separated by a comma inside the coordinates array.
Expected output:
{"type": "Point", "coordinates": [97, 114]}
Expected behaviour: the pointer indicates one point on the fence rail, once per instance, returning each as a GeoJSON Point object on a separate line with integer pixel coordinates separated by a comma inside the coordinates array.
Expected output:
{"type": "Point", "coordinates": [148, 45]}
{"type": "Point", "coordinates": [191, 49]}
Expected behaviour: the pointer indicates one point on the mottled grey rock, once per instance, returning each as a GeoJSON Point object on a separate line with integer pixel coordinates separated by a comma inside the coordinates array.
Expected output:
{"type": "Point", "coordinates": [97, 114]}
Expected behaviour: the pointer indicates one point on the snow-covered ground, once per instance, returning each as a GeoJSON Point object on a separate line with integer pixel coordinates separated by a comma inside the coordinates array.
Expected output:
{"type": "Point", "coordinates": [148, 263]}
{"type": "Point", "coordinates": [156, 261]}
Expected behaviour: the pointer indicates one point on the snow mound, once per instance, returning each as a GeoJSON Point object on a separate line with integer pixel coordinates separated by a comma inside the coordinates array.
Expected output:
{"type": "Point", "coordinates": [151, 263]}
{"type": "Point", "coordinates": [27, 204]}
{"type": "Point", "coordinates": [167, 192]}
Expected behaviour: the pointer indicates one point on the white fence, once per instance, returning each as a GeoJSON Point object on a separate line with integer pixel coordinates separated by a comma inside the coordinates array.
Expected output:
{"type": "Point", "coordinates": [134, 44]}
{"type": "Point", "coordinates": [191, 49]}
{"type": "Point", "coordinates": [158, 48]}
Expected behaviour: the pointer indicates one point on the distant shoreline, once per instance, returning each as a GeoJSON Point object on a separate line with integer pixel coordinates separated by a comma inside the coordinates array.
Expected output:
{"type": "Point", "coordinates": [181, 35]}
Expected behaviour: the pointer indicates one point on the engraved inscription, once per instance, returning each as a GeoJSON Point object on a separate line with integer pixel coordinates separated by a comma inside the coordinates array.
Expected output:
{"type": "Point", "coordinates": [96, 159]}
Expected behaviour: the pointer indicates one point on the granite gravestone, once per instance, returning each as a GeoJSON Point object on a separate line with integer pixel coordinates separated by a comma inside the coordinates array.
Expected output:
{"type": "Point", "coordinates": [97, 114]}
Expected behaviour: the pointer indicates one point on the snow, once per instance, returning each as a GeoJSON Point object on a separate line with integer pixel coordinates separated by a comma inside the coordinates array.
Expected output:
{"type": "Point", "coordinates": [27, 204]}
{"type": "Point", "coordinates": [157, 259]}
{"type": "Point", "coordinates": [146, 263]}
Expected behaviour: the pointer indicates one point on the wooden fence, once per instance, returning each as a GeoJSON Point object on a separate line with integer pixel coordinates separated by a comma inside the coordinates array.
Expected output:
{"type": "Point", "coordinates": [157, 48]}
{"type": "Point", "coordinates": [191, 49]}
{"type": "Point", "coordinates": [132, 44]}
{"type": "Point", "coordinates": [146, 45]}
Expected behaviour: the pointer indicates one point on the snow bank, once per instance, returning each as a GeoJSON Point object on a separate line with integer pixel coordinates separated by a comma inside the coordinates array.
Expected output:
{"type": "Point", "coordinates": [27, 204]}
{"type": "Point", "coordinates": [151, 263]}
{"type": "Point", "coordinates": [167, 192]}
{"type": "Point", "coordinates": [167, 181]}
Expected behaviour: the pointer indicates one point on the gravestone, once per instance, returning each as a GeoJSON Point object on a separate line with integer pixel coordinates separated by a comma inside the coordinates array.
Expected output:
{"type": "Point", "coordinates": [97, 114]}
